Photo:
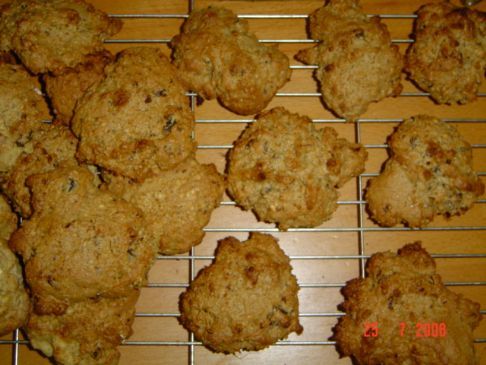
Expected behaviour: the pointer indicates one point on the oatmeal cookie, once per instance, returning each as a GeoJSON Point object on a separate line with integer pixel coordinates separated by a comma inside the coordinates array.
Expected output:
{"type": "Point", "coordinates": [8, 220]}
{"type": "Point", "coordinates": [448, 57]}
{"type": "Point", "coordinates": [246, 300]}
{"type": "Point", "coordinates": [177, 203]}
{"type": "Point", "coordinates": [87, 333]}
{"type": "Point", "coordinates": [357, 63]}
{"type": "Point", "coordinates": [137, 121]}
{"type": "Point", "coordinates": [400, 294]}
{"type": "Point", "coordinates": [80, 242]}
{"type": "Point", "coordinates": [22, 110]}
{"type": "Point", "coordinates": [429, 173]}
{"type": "Point", "coordinates": [49, 35]}
{"type": "Point", "coordinates": [220, 58]}
{"type": "Point", "coordinates": [287, 171]}
{"type": "Point", "coordinates": [70, 84]}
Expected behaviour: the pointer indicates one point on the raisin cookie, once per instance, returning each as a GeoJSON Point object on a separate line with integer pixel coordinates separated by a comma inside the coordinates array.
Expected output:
{"type": "Point", "coordinates": [388, 311]}
{"type": "Point", "coordinates": [87, 333]}
{"type": "Point", "coordinates": [448, 57]}
{"type": "Point", "coordinates": [80, 242]}
{"type": "Point", "coordinates": [177, 203]}
{"type": "Point", "coordinates": [357, 64]}
{"type": "Point", "coordinates": [429, 173]}
{"type": "Point", "coordinates": [14, 301]}
{"type": "Point", "coordinates": [246, 300]}
{"type": "Point", "coordinates": [287, 171]}
{"type": "Point", "coordinates": [49, 35]}
{"type": "Point", "coordinates": [136, 121]}
{"type": "Point", "coordinates": [69, 85]}
{"type": "Point", "coordinates": [220, 58]}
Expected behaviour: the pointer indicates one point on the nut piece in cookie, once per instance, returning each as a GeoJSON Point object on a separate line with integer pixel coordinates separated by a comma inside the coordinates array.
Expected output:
{"type": "Point", "coordinates": [448, 57]}
{"type": "Point", "coordinates": [287, 171]}
{"type": "Point", "coordinates": [357, 63]}
{"type": "Point", "coordinates": [87, 333]}
{"type": "Point", "coordinates": [137, 121]}
{"type": "Point", "coordinates": [80, 242]}
{"type": "Point", "coordinates": [69, 85]}
{"type": "Point", "coordinates": [14, 301]}
{"type": "Point", "coordinates": [220, 58]}
{"type": "Point", "coordinates": [389, 311]}
{"type": "Point", "coordinates": [429, 173]}
{"type": "Point", "coordinates": [246, 300]}
{"type": "Point", "coordinates": [49, 35]}
{"type": "Point", "coordinates": [177, 203]}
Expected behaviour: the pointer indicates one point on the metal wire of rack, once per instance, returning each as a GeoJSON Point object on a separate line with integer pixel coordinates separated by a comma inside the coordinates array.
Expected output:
{"type": "Point", "coordinates": [360, 228]}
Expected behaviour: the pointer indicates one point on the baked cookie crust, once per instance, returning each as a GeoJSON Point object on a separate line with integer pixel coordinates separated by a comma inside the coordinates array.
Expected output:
{"type": "Point", "coordinates": [357, 63]}
{"type": "Point", "coordinates": [399, 292]}
{"type": "Point", "coordinates": [246, 300]}
{"type": "Point", "coordinates": [136, 122]}
{"type": "Point", "coordinates": [287, 171]}
{"type": "Point", "coordinates": [220, 58]}
{"type": "Point", "coordinates": [429, 173]}
{"type": "Point", "coordinates": [448, 57]}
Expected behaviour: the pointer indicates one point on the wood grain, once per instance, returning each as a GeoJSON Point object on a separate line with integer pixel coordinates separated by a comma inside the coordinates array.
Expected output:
{"type": "Point", "coordinates": [332, 242]}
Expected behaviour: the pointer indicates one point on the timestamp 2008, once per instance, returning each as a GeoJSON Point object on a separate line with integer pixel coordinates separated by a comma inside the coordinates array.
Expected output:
{"type": "Point", "coordinates": [421, 329]}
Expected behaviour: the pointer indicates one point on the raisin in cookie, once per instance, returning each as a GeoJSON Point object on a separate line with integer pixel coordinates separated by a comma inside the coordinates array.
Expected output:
{"type": "Point", "coordinates": [14, 301]}
{"type": "Point", "coordinates": [87, 333]}
{"type": "Point", "coordinates": [220, 58]}
{"type": "Point", "coordinates": [137, 121]}
{"type": "Point", "coordinates": [246, 300]}
{"type": "Point", "coordinates": [357, 64]}
{"type": "Point", "coordinates": [80, 242]}
{"type": "Point", "coordinates": [69, 85]}
{"type": "Point", "coordinates": [49, 35]}
{"type": "Point", "coordinates": [287, 171]}
{"type": "Point", "coordinates": [448, 57]}
{"type": "Point", "coordinates": [385, 312]}
{"type": "Point", "coordinates": [177, 203]}
{"type": "Point", "coordinates": [429, 173]}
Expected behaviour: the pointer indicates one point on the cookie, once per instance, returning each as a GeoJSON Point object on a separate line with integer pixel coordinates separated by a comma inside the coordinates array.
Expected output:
{"type": "Point", "coordinates": [136, 122]}
{"type": "Point", "coordinates": [287, 171]}
{"type": "Point", "coordinates": [69, 85]}
{"type": "Point", "coordinates": [80, 243]}
{"type": "Point", "coordinates": [246, 299]}
{"type": "Point", "coordinates": [14, 301]}
{"type": "Point", "coordinates": [22, 110]}
{"type": "Point", "coordinates": [87, 333]}
{"type": "Point", "coordinates": [49, 35]}
{"type": "Point", "coordinates": [448, 57]}
{"type": "Point", "coordinates": [220, 58]}
{"type": "Point", "coordinates": [402, 313]}
{"type": "Point", "coordinates": [50, 145]}
{"type": "Point", "coordinates": [357, 64]}
{"type": "Point", "coordinates": [177, 203]}
{"type": "Point", "coordinates": [429, 173]}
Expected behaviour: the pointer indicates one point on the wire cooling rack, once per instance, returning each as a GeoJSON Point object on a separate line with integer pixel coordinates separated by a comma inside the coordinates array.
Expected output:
{"type": "Point", "coordinates": [363, 232]}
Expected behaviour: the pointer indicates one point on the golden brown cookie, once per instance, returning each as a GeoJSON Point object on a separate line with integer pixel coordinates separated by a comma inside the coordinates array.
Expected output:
{"type": "Point", "coordinates": [177, 203]}
{"type": "Point", "coordinates": [22, 110]}
{"type": "Point", "coordinates": [287, 171]}
{"type": "Point", "coordinates": [429, 173]}
{"type": "Point", "coordinates": [402, 313]}
{"type": "Point", "coordinates": [137, 121]}
{"type": "Point", "coordinates": [80, 242]}
{"type": "Point", "coordinates": [220, 58]}
{"type": "Point", "coordinates": [246, 300]}
{"type": "Point", "coordinates": [448, 57]}
{"type": "Point", "coordinates": [49, 35]}
{"type": "Point", "coordinates": [357, 63]}
{"type": "Point", "coordinates": [69, 85]}
{"type": "Point", "coordinates": [14, 301]}
{"type": "Point", "coordinates": [87, 333]}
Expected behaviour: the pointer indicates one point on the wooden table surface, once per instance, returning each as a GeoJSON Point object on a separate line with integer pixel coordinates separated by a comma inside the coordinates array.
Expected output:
{"type": "Point", "coordinates": [320, 277]}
